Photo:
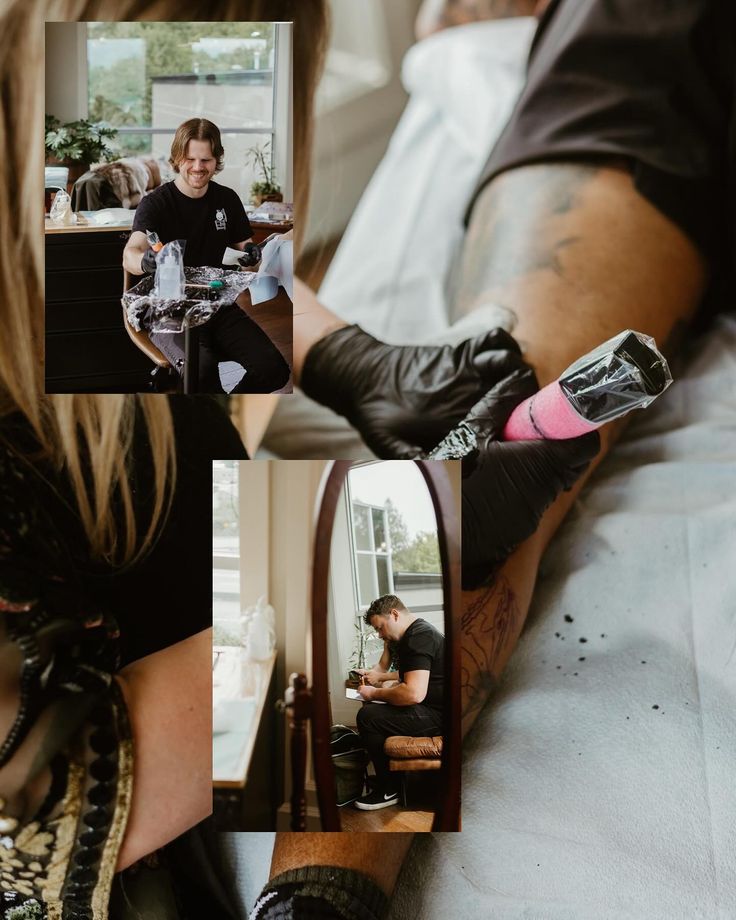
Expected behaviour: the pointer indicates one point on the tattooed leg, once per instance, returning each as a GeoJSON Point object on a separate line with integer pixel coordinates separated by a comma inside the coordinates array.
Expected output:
{"type": "Point", "coordinates": [489, 617]}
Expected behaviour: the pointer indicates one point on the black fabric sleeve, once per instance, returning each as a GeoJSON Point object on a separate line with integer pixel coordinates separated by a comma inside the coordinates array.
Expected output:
{"type": "Point", "coordinates": [418, 654]}
{"type": "Point", "coordinates": [651, 81]}
{"type": "Point", "coordinates": [146, 215]}
{"type": "Point", "coordinates": [238, 226]}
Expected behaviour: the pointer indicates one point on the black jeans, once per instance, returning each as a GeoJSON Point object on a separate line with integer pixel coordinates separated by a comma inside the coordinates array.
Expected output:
{"type": "Point", "coordinates": [377, 722]}
{"type": "Point", "coordinates": [230, 335]}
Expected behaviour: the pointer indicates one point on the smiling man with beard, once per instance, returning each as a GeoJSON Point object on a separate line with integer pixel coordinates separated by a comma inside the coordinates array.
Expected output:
{"type": "Point", "coordinates": [210, 217]}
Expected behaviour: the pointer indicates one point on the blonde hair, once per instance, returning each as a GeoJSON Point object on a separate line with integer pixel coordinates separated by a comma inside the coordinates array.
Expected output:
{"type": "Point", "coordinates": [89, 436]}
{"type": "Point", "coordinates": [196, 129]}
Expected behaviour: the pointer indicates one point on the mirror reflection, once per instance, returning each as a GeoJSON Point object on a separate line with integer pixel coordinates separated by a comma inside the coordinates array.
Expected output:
{"type": "Point", "coordinates": [386, 650]}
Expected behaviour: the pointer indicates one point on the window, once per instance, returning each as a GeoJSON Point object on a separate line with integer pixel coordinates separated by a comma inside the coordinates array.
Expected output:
{"type": "Point", "coordinates": [146, 78]}
{"type": "Point", "coordinates": [394, 543]}
{"type": "Point", "coordinates": [372, 552]}
{"type": "Point", "coordinates": [225, 552]}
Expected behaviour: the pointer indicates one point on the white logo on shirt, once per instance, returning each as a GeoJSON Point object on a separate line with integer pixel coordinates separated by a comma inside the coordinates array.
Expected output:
{"type": "Point", "coordinates": [220, 219]}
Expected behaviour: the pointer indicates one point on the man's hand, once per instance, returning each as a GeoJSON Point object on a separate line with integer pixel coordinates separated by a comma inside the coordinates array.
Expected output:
{"type": "Point", "coordinates": [148, 262]}
{"type": "Point", "coordinates": [403, 399]}
{"type": "Point", "coordinates": [251, 255]}
{"type": "Point", "coordinates": [508, 485]}
{"type": "Point", "coordinates": [366, 691]}
{"type": "Point", "coordinates": [372, 677]}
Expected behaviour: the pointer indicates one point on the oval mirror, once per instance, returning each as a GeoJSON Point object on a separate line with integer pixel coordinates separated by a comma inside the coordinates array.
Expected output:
{"type": "Point", "coordinates": [385, 647]}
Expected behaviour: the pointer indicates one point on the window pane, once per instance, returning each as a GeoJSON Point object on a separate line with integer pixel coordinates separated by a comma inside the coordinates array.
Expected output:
{"type": "Point", "coordinates": [379, 531]}
{"type": "Point", "coordinates": [384, 585]}
{"type": "Point", "coordinates": [366, 578]}
{"type": "Point", "coordinates": [402, 519]}
{"type": "Point", "coordinates": [360, 521]}
{"type": "Point", "coordinates": [226, 594]}
{"type": "Point", "coordinates": [225, 523]}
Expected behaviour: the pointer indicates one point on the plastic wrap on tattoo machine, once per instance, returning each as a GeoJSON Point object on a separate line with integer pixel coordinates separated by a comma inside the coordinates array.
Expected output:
{"type": "Point", "coordinates": [206, 291]}
{"type": "Point", "coordinates": [626, 372]}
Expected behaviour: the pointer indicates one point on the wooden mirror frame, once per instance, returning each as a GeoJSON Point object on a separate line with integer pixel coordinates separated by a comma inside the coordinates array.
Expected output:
{"type": "Point", "coordinates": [447, 515]}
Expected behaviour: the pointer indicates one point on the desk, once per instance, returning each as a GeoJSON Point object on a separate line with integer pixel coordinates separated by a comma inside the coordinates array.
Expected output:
{"type": "Point", "coordinates": [263, 229]}
{"type": "Point", "coordinates": [243, 771]}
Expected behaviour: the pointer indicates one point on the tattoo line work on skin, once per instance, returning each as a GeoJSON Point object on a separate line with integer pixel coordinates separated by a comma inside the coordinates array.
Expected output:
{"type": "Point", "coordinates": [487, 622]}
{"type": "Point", "coordinates": [514, 229]}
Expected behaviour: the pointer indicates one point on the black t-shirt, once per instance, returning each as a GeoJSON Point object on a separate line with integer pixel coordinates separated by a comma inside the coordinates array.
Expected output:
{"type": "Point", "coordinates": [422, 648]}
{"type": "Point", "coordinates": [209, 224]}
{"type": "Point", "coordinates": [161, 599]}
{"type": "Point", "coordinates": [651, 81]}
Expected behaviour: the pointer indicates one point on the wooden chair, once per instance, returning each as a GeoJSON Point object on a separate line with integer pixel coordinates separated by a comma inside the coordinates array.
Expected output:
{"type": "Point", "coordinates": [409, 755]}
{"type": "Point", "coordinates": [162, 373]}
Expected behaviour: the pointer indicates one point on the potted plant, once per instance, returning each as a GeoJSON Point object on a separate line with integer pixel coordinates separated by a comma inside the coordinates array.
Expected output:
{"type": "Point", "coordinates": [266, 188]}
{"type": "Point", "coordinates": [78, 144]}
{"type": "Point", "coordinates": [357, 659]}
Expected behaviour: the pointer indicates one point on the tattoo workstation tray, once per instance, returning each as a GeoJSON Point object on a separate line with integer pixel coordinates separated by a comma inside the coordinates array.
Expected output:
{"type": "Point", "coordinates": [154, 314]}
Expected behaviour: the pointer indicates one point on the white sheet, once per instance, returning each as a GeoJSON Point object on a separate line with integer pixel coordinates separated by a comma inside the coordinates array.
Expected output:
{"type": "Point", "coordinates": [581, 799]}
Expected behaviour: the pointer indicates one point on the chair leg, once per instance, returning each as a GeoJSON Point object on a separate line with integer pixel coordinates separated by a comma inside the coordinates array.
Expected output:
{"type": "Point", "coordinates": [191, 359]}
{"type": "Point", "coordinates": [404, 797]}
{"type": "Point", "coordinates": [164, 380]}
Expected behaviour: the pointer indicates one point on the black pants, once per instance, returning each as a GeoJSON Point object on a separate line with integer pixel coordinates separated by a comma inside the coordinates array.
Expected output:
{"type": "Point", "coordinates": [377, 722]}
{"type": "Point", "coordinates": [230, 336]}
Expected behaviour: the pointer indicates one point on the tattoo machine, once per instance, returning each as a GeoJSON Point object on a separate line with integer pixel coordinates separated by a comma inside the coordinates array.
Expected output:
{"type": "Point", "coordinates": [626, 372]}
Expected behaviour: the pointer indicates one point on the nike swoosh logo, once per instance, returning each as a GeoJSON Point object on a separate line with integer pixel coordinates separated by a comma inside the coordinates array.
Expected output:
{"type": "Point", "coordinates": [392, 795]}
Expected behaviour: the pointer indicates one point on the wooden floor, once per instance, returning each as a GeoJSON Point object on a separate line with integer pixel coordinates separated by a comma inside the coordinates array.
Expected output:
{"type": "Point", "coordinates": [423, 791]}
{"type": "Point", "coordinates": [387, 819]}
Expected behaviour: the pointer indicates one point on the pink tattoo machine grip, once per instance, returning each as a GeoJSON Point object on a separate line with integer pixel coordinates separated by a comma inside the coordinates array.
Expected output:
{"type": "Point", "coordinates": [626, 372]}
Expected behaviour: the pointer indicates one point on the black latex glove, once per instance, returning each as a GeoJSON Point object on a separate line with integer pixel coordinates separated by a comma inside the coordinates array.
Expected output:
{"type": "Point", "coordinates": [403, 399]}
{"type": "Point", "coordinates": [251, 255]}
{"type": "Point", "coordinates": [148, 262]}
{"type": "Point", "coordinates": [507, 485]}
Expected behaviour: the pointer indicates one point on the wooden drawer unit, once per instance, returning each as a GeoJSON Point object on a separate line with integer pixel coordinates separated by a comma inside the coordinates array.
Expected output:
{"type": "Point", "coordinates": [87, 347]}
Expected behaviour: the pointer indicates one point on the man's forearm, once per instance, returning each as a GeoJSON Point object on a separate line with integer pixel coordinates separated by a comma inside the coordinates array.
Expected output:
{"type": "Point", "coordinates": [132, 260]}
{"type": "Point", "coordinates": [400, 695]}
{"type": "Point", "coordinates": [576, 255]}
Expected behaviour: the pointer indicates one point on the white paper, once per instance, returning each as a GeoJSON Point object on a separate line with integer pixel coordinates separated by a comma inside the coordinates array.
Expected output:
{"type": "Point", "coordinates": [232, 256]}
